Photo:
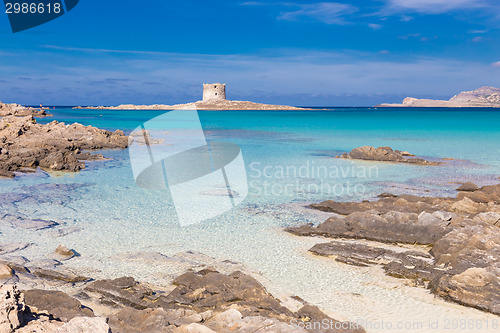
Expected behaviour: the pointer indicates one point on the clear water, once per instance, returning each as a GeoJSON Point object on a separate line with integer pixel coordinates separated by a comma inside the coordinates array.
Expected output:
{"type": "Point", "coordinates": [289, 162]}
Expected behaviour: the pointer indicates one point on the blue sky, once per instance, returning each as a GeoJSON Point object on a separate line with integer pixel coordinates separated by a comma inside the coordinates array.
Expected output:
{"type": "Point", "coordinates": [350, 53]}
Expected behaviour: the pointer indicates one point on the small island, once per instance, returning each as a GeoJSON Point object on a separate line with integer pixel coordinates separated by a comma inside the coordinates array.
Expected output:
{"type": "Point", "coordinates": [484, 97]}
{"type": "Point", "coordinates": [214, 99]}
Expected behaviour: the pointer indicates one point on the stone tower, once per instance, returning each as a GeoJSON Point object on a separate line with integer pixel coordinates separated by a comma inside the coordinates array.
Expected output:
{"type": "Point", "coordinates": [214, 91]}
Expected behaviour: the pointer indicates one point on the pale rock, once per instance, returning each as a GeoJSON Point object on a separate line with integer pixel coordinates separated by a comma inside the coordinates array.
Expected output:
{"type": "Point", "coordinates": [489, 217]}
{"type": "Point", "coordinates": [85, 325]}
{"type": "Point", "coordinates": [11, 308]}
{"type": "Point", "coordinates": [194, 328]}
{"type": "Point", "coordinates": [229, 317]}
{"type": "Point", "coordinates": [5, 272]}
{"type": "Point", "coordinates": [465, 205]}
{"type": "Point", "coordinates": [63, 253]}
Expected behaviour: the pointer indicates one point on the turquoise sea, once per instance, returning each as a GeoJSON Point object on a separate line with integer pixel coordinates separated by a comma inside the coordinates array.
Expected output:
{"type": "Point", "coordinates": [289, 162]}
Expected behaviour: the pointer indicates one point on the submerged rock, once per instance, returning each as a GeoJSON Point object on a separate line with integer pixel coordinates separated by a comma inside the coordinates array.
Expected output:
{"type": "Point", "coordinates": [59, 275]}
{"type": "Point", "coordinates": [27, 223]}
{"type": "Point", "coordinates": [63, 253]}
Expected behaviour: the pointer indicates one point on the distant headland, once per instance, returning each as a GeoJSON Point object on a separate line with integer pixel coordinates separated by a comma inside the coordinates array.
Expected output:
{"type": "Point", "coordinates": [484, 97]}
{"type": "Point", "coordinates": [214, 99]}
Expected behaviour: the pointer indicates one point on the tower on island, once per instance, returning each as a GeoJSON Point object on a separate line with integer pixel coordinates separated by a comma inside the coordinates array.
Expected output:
{"type": "Point", "coordinates": [214, 91]}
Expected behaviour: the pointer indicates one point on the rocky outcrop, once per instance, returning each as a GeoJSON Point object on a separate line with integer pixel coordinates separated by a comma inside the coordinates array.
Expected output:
{"type": "Point", "coordinates": [208, 290]}
{"type": "Point", "coordinates": [20, 111]}
{"type": "Point", "coordinates": [11, 308]}
{"type": "Point", "coordinates": [202, 301]}
{"type": "Point", "coordinates": [485, 200]}
{"type": "Point", "coordinates": [384, 154]}
{"type": "Point", "coordinates": [26, 145]}
{"type": "Point", "coordinates": [483, 97]}
{"type": "Point", "coordinates": [391, 227]}
{"type": "Point", "coordinates": [200, 297]}
{"type": "Point", "coordinates": [210, 105]}
{"type": "Point", "coordinates": [463, 232]}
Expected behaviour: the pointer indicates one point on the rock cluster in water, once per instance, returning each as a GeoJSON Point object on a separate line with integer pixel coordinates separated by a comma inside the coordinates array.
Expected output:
{"type": "Point", "coordinates": [464, 235]}
{"type": "Point", "coordinates": [384, 154]}
{"type": "Point", "coordinates": [26, 145]}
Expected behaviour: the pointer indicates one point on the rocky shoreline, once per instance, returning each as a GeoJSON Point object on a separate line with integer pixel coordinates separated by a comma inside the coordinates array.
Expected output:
{"type": "Point", "coordinates": [462, 236]}
{"type": "Point", "coordinates": [20, 111]}
{"type": "Point", "coordinates": [203, 300]}
{"type": "Point", "coordinates": [26, 145]}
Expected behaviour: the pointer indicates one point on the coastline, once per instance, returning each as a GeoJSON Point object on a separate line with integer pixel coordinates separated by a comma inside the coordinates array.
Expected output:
{"type": "Point", "coordinates": [77, 262]}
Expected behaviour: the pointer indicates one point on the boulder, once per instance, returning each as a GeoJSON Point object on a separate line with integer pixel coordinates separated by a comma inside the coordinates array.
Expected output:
{"type": "Point", "coordinates": [211, 290]}
{"type": "Point", "coordinates": [63, 253]}
{"type": "Point", "coordinates": [57, 303]}
{"type": "Point", "coordinates": [84, 325]}
{"type": "Point", "coordinates": [475, 287]}
{"type": "Point", "coordinates": [468, 187]}
{"type": "Point", "coordinates": [125, 292]}
{"type": "Point", "coordinates": [146, 321]}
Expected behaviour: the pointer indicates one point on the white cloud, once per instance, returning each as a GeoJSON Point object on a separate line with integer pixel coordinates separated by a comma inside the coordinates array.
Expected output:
{"type": "Point", "coordinates": [478, 31]}
{"type": "Point", "coordinates": [415, 35]}
{"type": "Point", "coordinates": [326, 12]}
{"type": "Point", "coordinates": [375, 26]}
{"type": "Point", "coordinates": [434, 6]}
{"type": "Point", "coordinates": [496, 64]}
{"type": "Point", "coordinates": [292, 73]}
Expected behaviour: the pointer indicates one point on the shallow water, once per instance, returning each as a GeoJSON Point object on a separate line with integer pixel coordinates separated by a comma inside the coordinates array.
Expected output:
{"type": "Point", "coordinates": [289, 162]}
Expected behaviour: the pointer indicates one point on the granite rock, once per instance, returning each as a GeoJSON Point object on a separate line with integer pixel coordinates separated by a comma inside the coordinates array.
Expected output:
{"type": "Point", "coordinates": [54, 146]}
